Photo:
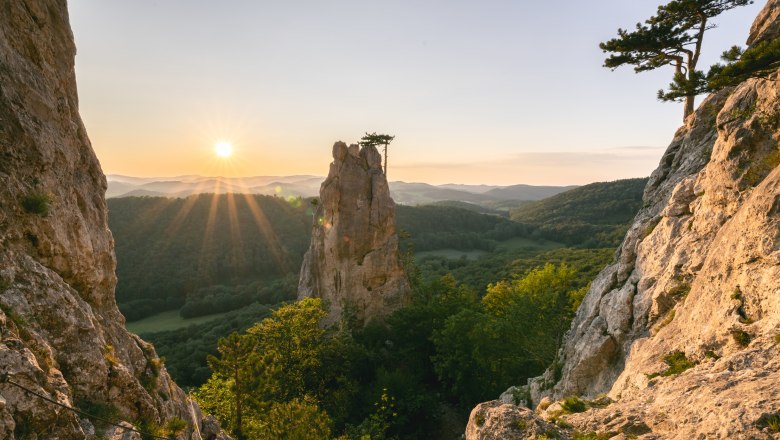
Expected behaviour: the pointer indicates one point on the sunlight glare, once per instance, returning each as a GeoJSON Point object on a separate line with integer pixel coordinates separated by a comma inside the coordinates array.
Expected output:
{"type": "Point", "coordinates": [223, 149]}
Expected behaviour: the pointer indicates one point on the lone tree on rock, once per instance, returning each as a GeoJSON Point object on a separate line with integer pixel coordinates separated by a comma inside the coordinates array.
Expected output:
{"type": "Point", "coordinates": [377, 139]}
{"type": "Point", "coordinates": [672, 37]}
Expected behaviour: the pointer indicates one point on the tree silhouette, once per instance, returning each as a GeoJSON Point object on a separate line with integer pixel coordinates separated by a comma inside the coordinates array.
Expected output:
{"type": "Point", "coordinates": [672, 37]}
{"type": "Point", "coordinates": [377, 139]}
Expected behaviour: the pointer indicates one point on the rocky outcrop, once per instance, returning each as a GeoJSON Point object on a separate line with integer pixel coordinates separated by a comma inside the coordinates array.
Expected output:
{"type": "Point", "coordinates": [353, 262]}
{"type": "Point", "coordinates": [696, 283]}
{"type": "Point", "coordinates": [61, 335]}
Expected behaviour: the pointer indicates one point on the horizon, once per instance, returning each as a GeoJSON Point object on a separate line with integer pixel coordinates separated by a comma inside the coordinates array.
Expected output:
{"type": "Point", "coordinates": [467, 90]}
{"type": "Point", "coordinates": [109, 177]}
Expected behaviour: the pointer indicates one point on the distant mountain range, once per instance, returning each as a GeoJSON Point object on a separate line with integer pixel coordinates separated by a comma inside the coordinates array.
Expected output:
{"type": "Point", "coordinates": [488, 196]}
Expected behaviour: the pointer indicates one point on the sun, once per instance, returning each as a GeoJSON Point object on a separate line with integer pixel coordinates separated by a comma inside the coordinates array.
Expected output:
{"type": "Point", "coordinates": [223, 149]}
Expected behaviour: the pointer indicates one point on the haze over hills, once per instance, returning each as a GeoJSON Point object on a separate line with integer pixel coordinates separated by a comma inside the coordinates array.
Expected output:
{"type": "Point", "coordinates": [406, 193]}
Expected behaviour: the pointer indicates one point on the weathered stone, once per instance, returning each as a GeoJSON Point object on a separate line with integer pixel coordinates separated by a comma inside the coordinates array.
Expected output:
{"type": "Point", "coordinates": [496, 420]}
{"type": "Point", "coordinates": [709, 226]}
{"type": "Point", "coordinates": [515, 396]}
{"type": "Point", "coordinates": [61, 334]}
{"type": "Point", "coordinates": [353, 262]}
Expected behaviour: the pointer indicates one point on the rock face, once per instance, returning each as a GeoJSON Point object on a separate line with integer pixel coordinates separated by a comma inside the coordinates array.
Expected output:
{"type": "Point", "coordinates": [697, 277]}
{"type": "Point", "coordinates": [353, 262]}
{"type": "Point", "coordinates": [61, 334]}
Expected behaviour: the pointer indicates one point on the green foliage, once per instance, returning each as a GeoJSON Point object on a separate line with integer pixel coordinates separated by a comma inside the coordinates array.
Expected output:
{"type": "Point", "coordinates": [175, 426]}
{"type": "Point", "coordinates": [771, 421]}
{"type": "Point", "coordinates": [594, 215]}
{"type": "Point", "coordinates": [574, 404]}
{"type": "Point", "coordinates": [151, 430]}
{"type": "Point", "coordinates": [264, 373]}
{"type": "Point", "coordinates": [186, 349]}
{"type": "Point", "coordinates": [676, 362]}
{"type": "Point", "coordinates": [756, 62]}
{"type": "Point", "coordinates": [174, 251]}
{"type": "Point", "coordinates": [680, 291]}
{"type": "Point", "coordinates": [673, 37]}
{"type": "Point", "coordinates": [591, 436]}
{"type": "Point", "coordinates": [378, 424]}
{"type": "Point", "coordinates": [105, 411]}
{"type": "Point", "coordinates": [741, 337]}
{"type": "Point", "coordinates": [297, 419]}
{"type": "Point", "coordinates": [209, 300]}
{"type": "Point", "coordinates": [445, 227]}
{"type": "Point", "coordinates": [513, 335]}
{"type": "Point", "coordinates": [374, 139]}
{"type": "Point", "coordinates": [37, 202]}
{"type": "Point", "coordinates": [777, 338]}
{"type": "Point", "coordinates": [667, 319]}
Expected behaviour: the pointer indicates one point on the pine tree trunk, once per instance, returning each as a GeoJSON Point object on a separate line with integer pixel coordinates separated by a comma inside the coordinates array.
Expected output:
{"type": "Point", "coordinates": [239, 408]}
{"type": "Point", "coordinates": [688, 107]}
{"type": "Point", "coordinates": [385, 160]}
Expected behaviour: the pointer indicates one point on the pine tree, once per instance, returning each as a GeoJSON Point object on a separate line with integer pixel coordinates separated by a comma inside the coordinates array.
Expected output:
{"type": "Point", "coordinates": [234, 365]}
{"type": "Point", "coordinates": [673, 37]}
{"type": "Point", "coordinates": [377, 139]}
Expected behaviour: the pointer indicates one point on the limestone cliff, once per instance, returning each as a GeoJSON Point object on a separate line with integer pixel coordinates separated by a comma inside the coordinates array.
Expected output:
{"type": "Point", "coordinates": [353, 261]}
{"type": "Point", "coordinates": [697, 277]}
{"type": "Point", "coordinates": [61, 334]}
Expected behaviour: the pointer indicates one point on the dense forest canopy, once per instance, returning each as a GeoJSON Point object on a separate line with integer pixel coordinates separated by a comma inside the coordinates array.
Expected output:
{"type": "Point", "coordinates": [457, 344]}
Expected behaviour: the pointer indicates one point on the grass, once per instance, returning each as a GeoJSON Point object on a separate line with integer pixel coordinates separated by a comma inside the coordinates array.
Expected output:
{"type": "Point", "coordinates": [771, 421]}
{"type": "Point", "coordinates": [680, 291]}
{"type": "Point", "coordinates": [37, 202]}
{"type": "Point", "coordinates": [574, 404]}
{"type": "Point", "coordinates": [741, 337]}
{"type": "Point", "coordinates": [517, 244]}
{"type": "Point", "coordinates": [166, 321]}
{"type": "Point", "coordinates": [591, 436]}
{"type": "Point", "coordinates": [676, 362]}
{"type": "Point", "coordinates": [668, 318]}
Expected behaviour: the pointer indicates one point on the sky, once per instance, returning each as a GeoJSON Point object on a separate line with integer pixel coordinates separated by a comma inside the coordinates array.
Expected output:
{"type": "Point", "coordinates": [493, 92]}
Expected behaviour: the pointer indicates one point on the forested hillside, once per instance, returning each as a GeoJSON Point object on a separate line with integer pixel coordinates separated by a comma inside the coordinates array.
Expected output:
{"type": "Point", "coordinates": [230, 248]}
{"type": "Point", "coordinates": [449, 227]}
{"type": "Point", "coordinates": [239, 256]}
{"type": "Point", "coordinates": [593, 215]}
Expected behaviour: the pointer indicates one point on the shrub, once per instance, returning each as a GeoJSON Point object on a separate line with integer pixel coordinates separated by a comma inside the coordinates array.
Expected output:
{"type": "Point", "coordinates": [175, 426]}
{"type": "Point", "coordinates": [573, 404]}
{"type": "Point", "coordinates": [37, 202]}
{"type": "Point", "coordinates": [741, 337]}
{"type": "Point", "coordinates": [711, 354]}
{"type": "Point", "coordinates": [677, 362]}
{"type": "Point", "coordinates": [680, 291]}
{"type": "Point", "coordinates": [668, 318]}
{"type": "Point", "coordinates": [591, 436]}
{"type": "Point", "coordinates": [771, 421]}
{"type": "Point", "coordinates": [777, 338]}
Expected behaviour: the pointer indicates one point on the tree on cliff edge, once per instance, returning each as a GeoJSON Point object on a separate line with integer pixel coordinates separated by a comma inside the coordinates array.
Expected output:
{"type": "Point", "coordinates": [672, 37]}
{"type": "Point", "coordinates": [377, 139]}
